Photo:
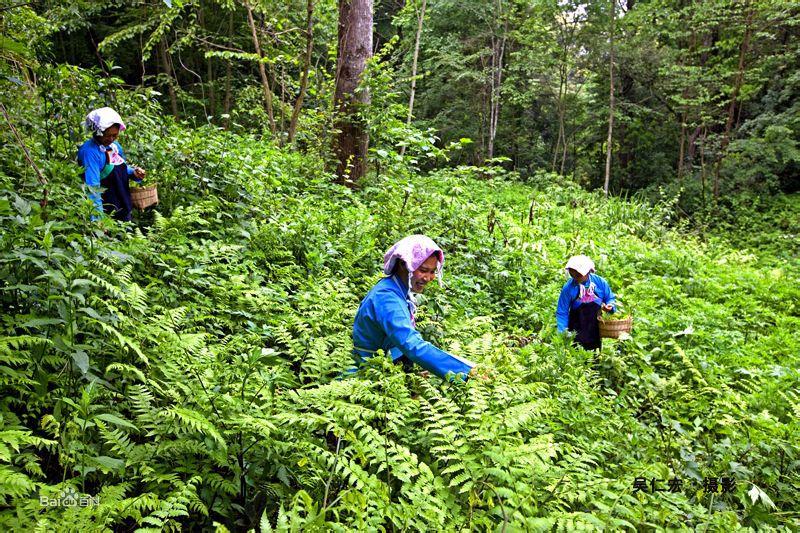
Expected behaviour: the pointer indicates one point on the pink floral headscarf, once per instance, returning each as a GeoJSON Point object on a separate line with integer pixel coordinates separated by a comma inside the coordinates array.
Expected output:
{"type": "Point", "coordinates": [413, 250]}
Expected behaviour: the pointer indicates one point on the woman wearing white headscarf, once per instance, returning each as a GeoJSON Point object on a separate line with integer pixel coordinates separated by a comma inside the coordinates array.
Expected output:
{"type": "Point", "coordinates": [584, 296]}
{"type": "Point", "coordinates": [104, 164]}
{"type": "Point", "coordinates": [386, 317]}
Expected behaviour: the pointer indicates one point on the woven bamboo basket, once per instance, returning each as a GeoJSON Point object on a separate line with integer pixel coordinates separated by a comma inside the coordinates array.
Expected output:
{"type": "Point", "coordinates": [612, 329]}
{"type": "Point", "coordinates": [142, 197]}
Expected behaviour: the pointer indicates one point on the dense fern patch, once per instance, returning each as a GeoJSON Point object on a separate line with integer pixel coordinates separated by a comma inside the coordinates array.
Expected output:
{"type": "Point", "coordinates": [186, 374]}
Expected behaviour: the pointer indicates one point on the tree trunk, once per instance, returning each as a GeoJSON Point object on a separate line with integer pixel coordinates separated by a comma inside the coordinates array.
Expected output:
{"type": "Point", "coordinates": [142, 60]}
{"type": "Point", "coordinates": [562, 114]}
{"type": "Point", "coordinates": [737, 85]}
{"type": "Point", "coordinates": [610, 100]}
{"type": "Point", "coordinates": [684, 118]}
{"type": "Point", "coordinates": [682, 148]}
{"type": "Point", "coordinates": [355, 48]}
{"type": "Point", "coordinates": [165, 68]}
{"type": "Point", "coordinates": [226, 104]}
{"type": "Point", "coordinates": [498, 50]}
{"type": "Point", "coordinates": [212, 93]}
{"type": "Point", "coordinates": [298, 104]}
{"type": "Point", "coordinates": [703, 166]}
{"type": "Point", "coordinates": [709, 40]}
{"type": "Point", "coordinates": [261, 70]}
{"type": "Point", "coordinates": [560, 110]}
{"type": "Point", "coordinates": [93, 47]}
{"type": "Point", "coordinates": [420, 19]}
{"type": "Point", "coordinates": [692, 142]}
{"type": "Point", "coordinates": [282, 107]}
{"type": "Point", "coordinates": [566, 30]}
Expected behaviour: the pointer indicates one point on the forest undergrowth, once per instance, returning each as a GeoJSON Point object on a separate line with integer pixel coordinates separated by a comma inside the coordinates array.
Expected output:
{"type": "Point", "coordinates": [185, 371]}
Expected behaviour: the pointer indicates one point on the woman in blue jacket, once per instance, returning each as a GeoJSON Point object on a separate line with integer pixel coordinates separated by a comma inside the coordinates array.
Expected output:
{"type": "Point", "coordinates": [582, 298]}
{"type": "Point", "coordinates": [385, 319]}
{"type": "Point", "coordinates": [104, 165]}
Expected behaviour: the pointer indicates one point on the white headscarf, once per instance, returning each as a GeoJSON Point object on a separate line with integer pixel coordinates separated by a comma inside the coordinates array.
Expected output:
{"type": "Point", "coordinates": [101, 119]}
{"type": "Point", "coordinates": [580, 263]}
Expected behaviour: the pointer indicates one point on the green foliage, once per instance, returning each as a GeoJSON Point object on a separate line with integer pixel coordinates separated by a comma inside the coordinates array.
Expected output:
{"type": "Point", "coordinates": [187, 370]}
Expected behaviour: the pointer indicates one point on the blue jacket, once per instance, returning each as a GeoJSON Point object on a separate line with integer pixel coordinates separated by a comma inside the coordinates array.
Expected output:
{"type": "Point", "coordinates": [570, 293]}
{"type": "Point", "coordinates": [92, 157]}
{"type": "Point", "coordinates": [383, 322]}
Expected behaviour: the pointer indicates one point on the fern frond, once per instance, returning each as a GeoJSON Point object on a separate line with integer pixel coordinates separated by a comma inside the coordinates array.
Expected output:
{"type": "Point", "coordinates": [194, 421]}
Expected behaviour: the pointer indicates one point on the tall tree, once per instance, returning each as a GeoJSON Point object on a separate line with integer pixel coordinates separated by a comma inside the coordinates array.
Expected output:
{"type": "Point", "coordinates": [544, 81]}
{"type": "Point", "coordinates": [737, 86]}
{"type": "Point", "coordinates": [355, 48]}
{"type": "Point", "coordinates": [298, 105]}
{"type": "Point", "coordinates": [567, 24]}
{"type": "Point", "coordinates": [261, 68]}
{"type": "Point", "coordinates": [610, 96]}
{"type": "Point", "coordinates": [499, 36]}
{"type": "Point", "coordinates": [415, 58]}
{"type": "Point", "coordinates": [168, 71]}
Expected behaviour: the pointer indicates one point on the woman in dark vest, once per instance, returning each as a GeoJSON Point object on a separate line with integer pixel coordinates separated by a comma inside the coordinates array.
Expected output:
{"type": "Point", "coordinates": [104, 165]}
{"type": "Point", "coordinates": [584, 296]}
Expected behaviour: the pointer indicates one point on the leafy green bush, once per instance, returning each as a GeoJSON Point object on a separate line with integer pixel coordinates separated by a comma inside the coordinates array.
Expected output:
{"type": "Point", "coordinates": [187, 372]}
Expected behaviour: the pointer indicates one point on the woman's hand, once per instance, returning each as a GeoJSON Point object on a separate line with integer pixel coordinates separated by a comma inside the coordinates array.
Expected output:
{"type": "Point", "coordinates": [139, 173]}
{"type": "Point", "coordinates": [481, 372]}
{"type": "Point", "coordinates": [607, 308]}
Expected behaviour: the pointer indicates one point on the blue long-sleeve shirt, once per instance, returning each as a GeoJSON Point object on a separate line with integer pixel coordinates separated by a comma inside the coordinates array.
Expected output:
{"type": "Point", "coordinates": [92, 157]}
{"type": "Point", "coordinates": [383, 322]}
{"type": "Point", "coordinates": [596, 289]}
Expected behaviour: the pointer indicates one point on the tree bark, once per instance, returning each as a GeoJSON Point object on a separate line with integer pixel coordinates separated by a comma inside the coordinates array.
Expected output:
{"type": "Point", "coordinates": [165, 68]}
{"type": "Point", "coordinates": [226, 104]}
{"type": "Point", "coordinates": [93, 46]}
{"type": "Point", "coordinates": [261, 70]}
{"type": "Point", "coordinates": [682, 148]}
{"type": "Point", "coordinates": [562, 110]}
{"type": "Point", "coordinates": [703, 166]}
{"type": "Point", "coordinates": [566, 32]}
{"type": "Point", "coordinates": [692, 142]}
{"type": "Point", "coordinates": [557, 147]}
{"type": "Point", "coordinates": [737, 85]}
{"type": "Point", "coordinates": [212, 93]}
{"type": "Point", "coordinates": [610, 100]}
{"type": "Point", "coordinates": [298, 104]}
{"type": "Point", "coordinates": [420, 19]}
{"type": "Point", "coordinates": [498, 50]}
{"type": "Point", "coordinates": [355, 48]}
{"type": "Point", "coordinates": [684, 117]}
{"type": "Point", "coordinates": [282, 106]}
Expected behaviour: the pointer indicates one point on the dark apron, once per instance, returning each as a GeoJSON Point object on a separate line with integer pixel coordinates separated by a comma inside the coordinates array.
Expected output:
{"type": "Point", "coordinates": [117, 193]}
{"type": "Point", "coordinates": [583, 321]}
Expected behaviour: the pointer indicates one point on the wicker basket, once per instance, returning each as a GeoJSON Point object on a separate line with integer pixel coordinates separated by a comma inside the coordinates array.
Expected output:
{"type": "Point", "coordinates": [142, 197]}
{"type": "Point", "coordinates": [612, 329]}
